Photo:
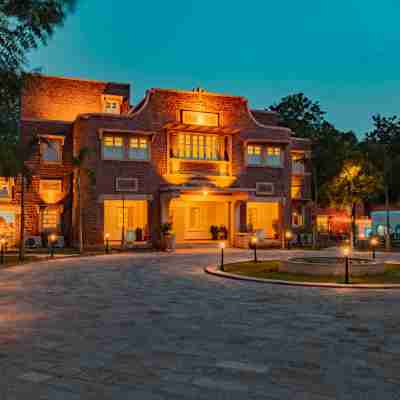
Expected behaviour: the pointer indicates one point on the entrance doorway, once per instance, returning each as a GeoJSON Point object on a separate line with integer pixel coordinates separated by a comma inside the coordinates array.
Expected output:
{"type": "Point", "coordinates": [192, 219]}
{"type": "Point", "coordinates": [126, 219]}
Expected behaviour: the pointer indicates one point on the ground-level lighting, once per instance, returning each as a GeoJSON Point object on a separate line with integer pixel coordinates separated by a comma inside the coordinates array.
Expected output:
{"type": "Point", "coordinates": [346, 253]}
{"type": "Point", "coordinates": [288, 236]}
{"type": "Point", "coordinates": [374, 243]}
{"type": "Point", "coordinates": [107, 237]}
{"type": "Point", "coordinates": [222, 247]}
{"type": "Point", "coordinates": [254, 241]}
{"type": "Point", "coordinates": [52, 239]}
{"type": "Point", "coordinates": [2, 249]}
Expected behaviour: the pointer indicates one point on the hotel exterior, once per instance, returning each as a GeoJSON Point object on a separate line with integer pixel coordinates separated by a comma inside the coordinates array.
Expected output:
{"type": "Point", "coordinates": [192, 158]}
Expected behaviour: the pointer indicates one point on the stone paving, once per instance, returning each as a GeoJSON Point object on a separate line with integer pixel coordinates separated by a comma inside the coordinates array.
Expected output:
{"type": "Point", "coordinates": [155, 326]}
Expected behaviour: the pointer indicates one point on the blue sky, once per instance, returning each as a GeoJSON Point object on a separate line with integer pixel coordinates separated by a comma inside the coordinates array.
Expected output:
{"type": "Point", "coordinates": [343, 53]}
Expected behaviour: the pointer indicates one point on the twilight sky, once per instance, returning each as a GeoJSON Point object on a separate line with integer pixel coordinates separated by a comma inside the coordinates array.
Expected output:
{"type": "Point", "coordinates": [343, 53]}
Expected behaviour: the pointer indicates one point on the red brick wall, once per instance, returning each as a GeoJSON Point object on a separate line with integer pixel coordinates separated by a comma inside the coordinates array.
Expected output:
{"type": "Point", "coordinates": [64, 99]}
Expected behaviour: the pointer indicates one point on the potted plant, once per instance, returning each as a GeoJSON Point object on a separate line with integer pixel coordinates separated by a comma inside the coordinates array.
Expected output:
{"type": "Point", "coordinates": [167, 237]}
{"type": "Point", "coordinates": [223, 232]}
{"type": "Point", "coordinates": [214, 230]}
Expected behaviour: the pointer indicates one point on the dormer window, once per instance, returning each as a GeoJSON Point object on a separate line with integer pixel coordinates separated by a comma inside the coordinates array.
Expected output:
{"type": "Point", "coordinates": [112, 104]}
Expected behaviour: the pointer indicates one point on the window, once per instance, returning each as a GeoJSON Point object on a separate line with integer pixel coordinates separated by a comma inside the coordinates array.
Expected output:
{"type": "Point", "coordinates": [199, 118]}
{"type": "Point", "coordinates": [198, 147]}
{"type": "Point", "coordinates": [254, 155]}
{"type": "Point", "coordinates": [274, 156]}
{"type": "Point", "coordinates": [50, 219]}
{"type": "Point", "coordinates": [112, 104]}
{"type": "Point", "coordinates": [50, 190]}
{"type": "Point", "coordinates": [138, 149]}
{"type": "Point", "coordinates": [5, 188]}
{"type": "Point", "coordinates": [298, 163]}
{"type": "Point", "coordinates": [258, 154]}
{"type": "Point", "coordinates": [51, 150]}
{"type": "Point", "coordinates": [126, 184]}
{"type": "Point", "coordinates": [113, 148]}
{"type": "Point", "coordinates": [298, 217]}
{"type": "Point", "coordinates": [264, 188]}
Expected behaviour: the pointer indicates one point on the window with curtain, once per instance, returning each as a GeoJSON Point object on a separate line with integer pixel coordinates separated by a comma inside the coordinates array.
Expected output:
{"type": "Point", "coordinates": [113, 148]}
{"type": "Point", "coordinates": [191, 146]}
{"type": "Point", "coordinates": [138, 148]}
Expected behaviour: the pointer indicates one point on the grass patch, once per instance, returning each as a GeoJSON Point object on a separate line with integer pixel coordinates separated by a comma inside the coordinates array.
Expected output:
{"type": "Point", "coordinates": [270, 270]}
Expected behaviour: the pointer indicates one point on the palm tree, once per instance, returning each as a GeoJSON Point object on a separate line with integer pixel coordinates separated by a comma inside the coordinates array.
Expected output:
{"type": "Point", "coordinates": [78, 163]}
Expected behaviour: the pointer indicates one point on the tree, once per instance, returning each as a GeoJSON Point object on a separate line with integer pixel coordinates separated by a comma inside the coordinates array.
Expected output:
{"type": "Point", "coordinates": [357, 182]}
{"type": "Point", "coordinates": [329, 146]}
{"type": "Point", "coordinates": [80, 169]}
{"type": "Point", "coordinates": [382, 145]}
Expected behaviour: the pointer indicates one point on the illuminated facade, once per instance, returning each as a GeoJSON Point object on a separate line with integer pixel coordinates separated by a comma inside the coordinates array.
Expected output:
{"type": "Point", "coordinates": [193, 158]}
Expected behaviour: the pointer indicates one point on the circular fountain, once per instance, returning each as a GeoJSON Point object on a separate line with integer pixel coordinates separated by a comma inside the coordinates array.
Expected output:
{"type": "Point", "coordinates": [331, 266]}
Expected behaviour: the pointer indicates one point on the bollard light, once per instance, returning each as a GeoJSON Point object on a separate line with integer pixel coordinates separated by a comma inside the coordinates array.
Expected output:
{"type": "Point", "coordinates": [2, 249]}
{"type": "Point", "coordinates": [254, 241]}
{"type": "Point", "coordinates": [222, 247]}
{"type": "Point", "coordinates": [346, 253]}
{"type": "Point", "coordinates": [289, 237]}
{"type": "Point", "coordinates": [107, 237]}
{"type": "Point", "coordinates": [374, 243]}
{"type": "Point", "coordinates": [52, 239]}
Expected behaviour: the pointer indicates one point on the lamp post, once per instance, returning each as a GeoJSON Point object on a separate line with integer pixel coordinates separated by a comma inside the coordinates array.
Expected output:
{"type": "Point", "coordinates": [3, 247]}
{"type": "Point", "coordinates": [107, 237]}
{"type": "Point", "coordinates": [346, 253]}
{"type": "Point", "coordinates": [254, 241]}
{"type": "Point", "coordinates": [374, 243]}
{"type": "Point", "coordinates": [52, 239]}
{"type": "Point", "coordinates": [222, 247]}
{"type": "Point", "coordinates": [288, 236]}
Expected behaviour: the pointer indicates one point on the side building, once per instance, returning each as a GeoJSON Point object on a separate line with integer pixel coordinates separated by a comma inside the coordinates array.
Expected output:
{"type": "Point", "coordinates": [193, 158]}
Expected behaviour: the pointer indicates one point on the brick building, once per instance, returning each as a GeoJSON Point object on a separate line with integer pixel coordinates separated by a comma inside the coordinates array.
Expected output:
{"type": "Point", "coordinates": [192, 158]}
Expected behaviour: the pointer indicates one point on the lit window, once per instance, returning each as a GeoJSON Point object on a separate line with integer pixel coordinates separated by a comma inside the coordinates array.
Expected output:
{"type": "Point", "coordinates": [50, 219]}
{"type": "Point", "coordinates": [198, 147]}
{"type": "Point", "coordinates": [274, 156]}
{"type": "Point", "coordinates": [50, 190]}
{"type": "Point", "coordinates": [5, 188]}
{"type": "Point", "coordinates": [113, 148]}
{"type": "Point", "coordinates": [254, 155]}
{"type": "Point", "coordinates": [51, 150]}
{"type": "Point", "coordinates": [298, 217]}
{"type": "Point", "coordinates": [112, 104]}
{"type": "Point", "coordinates": [138, 149]}
{"type": "Point", "coordinates": [296, 191]}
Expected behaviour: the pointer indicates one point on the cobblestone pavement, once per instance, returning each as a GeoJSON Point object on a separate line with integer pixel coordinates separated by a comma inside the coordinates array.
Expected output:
{"type": "Point", "coordinates": [155, 326]}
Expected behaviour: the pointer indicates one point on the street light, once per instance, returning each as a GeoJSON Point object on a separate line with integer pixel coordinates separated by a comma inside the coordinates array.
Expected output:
{"type": "Point", "coordinates": [222, 247]}
{"type": "Point", "coordinates": [254, 241]}
{"type": "Point", "coordinates": [107, 237]}
{"type": "Point", "coordinates": [3, 247]}
{"type": "Point", "coordinates": [374, 243]}
{"type": "Point", "coordinates": [52, 239]}
{"type": "Point", "coordinates": [288, 236]}
{"type": "Point", "coordinates": [346, 253]}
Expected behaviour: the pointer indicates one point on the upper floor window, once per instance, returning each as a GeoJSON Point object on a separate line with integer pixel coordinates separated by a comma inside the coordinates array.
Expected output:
{"type": "Point", "coordinates": [274, 156]}
{"type": "Point", "coordinates": [298, 163]}
{"type": "Point", "coordinates": [198, 147]}
{"type": "Point", "coordinates": [113, 148]}
{"type": "Point", "coordinates": [254, 155]}
{"type": "Point", "coordinates": [138, 148]}
{"type": "Point", "coordinates": [51, 150]}
{"type": "Point", "coordinates": [264, 155]}
{"type": "Point", "coordinates": [112, 104]}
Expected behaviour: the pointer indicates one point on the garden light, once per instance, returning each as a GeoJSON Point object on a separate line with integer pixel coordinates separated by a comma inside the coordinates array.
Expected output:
{"type": "Point", "coordinates": [2, 249]}
{"type": "Point", "coordinates": [254, 241]}
{"type": "Point", "coordinates": [107, 237]}
{"type": "Point", "coordinates": [346, 253]}
{"type": "Point", "coordinates": [52, 239]}
{"type": "Point", "coordinates": [222, 247]}
{"type": "Point", "coordinates": [374, 243]}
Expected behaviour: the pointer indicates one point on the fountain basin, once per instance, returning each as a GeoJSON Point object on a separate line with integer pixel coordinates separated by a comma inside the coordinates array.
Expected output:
{"type": "Point", "coordinates": [331, 266]}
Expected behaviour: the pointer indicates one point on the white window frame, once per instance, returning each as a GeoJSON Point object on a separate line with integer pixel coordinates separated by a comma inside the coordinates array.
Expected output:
{"type": "Point", "coordinates": [263, 192]}
{"type": "Point", "coordinates": [135, 187]}
{"type": "Point", "coordinates": [103, 146]}
{"type": "Point", "coordinates": [199, 147]}
{"type": "Point", "coordinates": [45, 146]}
{"type": "Point", "coordinates": [107, 100]}
{"type": "Point", "coordinates": [142, 150]}
{"type": "Point", "coordinates": [252, 157]}
{"type": "Point", "coordinates": [270, 157]}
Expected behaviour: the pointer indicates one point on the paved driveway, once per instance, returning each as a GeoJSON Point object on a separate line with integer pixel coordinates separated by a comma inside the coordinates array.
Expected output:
{"type": "Point", "coordinates": [154, 326]}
